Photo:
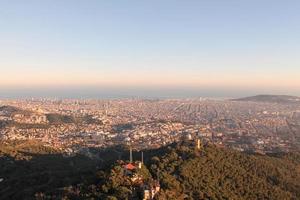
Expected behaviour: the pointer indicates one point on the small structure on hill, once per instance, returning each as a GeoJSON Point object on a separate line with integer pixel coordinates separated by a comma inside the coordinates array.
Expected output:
{"type": "Point", "coordinates": [144, 187]}
{"type": "Point", "coordinates": [150, 190]}
{"type": "Point", "coordinates": [198, 144]}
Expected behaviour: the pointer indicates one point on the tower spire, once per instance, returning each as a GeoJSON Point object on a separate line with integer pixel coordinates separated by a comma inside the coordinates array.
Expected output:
{"type": "Point", "coordinates": [131, 160]}
{"type": "Point", "coordinates": [198, 144]}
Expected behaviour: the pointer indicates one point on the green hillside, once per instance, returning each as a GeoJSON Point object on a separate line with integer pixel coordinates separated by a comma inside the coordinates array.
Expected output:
{"type": "Point", "coordinates": [215, 173]}
{"type": "Point", "coordinates": [28, 167]}
{"type": "Point", "coordinates": [32, 171]}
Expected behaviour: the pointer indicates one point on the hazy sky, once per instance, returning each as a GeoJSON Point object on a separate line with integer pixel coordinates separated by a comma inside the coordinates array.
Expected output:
{"type": "Point", "coordinates": [232, 45]}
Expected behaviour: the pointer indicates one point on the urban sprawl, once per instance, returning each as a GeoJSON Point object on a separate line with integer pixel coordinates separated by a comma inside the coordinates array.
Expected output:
{"type": "Point", "coordinates": [74, 125]}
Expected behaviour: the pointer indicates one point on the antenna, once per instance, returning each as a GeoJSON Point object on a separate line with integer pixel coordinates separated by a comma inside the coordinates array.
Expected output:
{"type": "Point", "coordinates": [142, 157]}
{"type": "Point", "coordinates": [131, 154]}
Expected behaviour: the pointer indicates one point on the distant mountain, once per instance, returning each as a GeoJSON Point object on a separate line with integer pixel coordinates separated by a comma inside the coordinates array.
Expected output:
{"type": "Point", "coordinates": [272, 99]}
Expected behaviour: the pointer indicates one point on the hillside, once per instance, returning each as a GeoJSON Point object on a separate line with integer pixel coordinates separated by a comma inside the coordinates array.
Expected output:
{"type": "Point", "coordinates": [28, 167]}
{"type": "Point", "coordinates": [10, 110]}
{"type": "Point", "coordinates": [272, 99]}
{"type": "Point", "coordinates": [215, 173]}
{"type": "Point", "coordinates": [38, 172]}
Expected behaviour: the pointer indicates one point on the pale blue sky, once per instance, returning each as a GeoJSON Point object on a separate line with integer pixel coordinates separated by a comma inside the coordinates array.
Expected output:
{"type": "Point", "coordinates": [234, 43]}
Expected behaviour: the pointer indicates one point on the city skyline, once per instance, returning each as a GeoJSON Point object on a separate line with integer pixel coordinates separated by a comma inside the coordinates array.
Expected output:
{"type": "Point", "coordinates": [137, 48]}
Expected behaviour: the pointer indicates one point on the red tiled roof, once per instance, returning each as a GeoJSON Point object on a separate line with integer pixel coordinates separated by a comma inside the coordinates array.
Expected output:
{"type": "Point", "coordinates": [130, 166]}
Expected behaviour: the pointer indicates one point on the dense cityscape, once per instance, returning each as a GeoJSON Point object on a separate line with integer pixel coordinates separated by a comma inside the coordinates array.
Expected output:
{"type": "Point", "coordinates": [73, 125]}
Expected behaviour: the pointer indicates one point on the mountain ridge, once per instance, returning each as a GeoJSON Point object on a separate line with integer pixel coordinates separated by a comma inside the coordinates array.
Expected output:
{"type": "Point", "coordinates": [269, 98]}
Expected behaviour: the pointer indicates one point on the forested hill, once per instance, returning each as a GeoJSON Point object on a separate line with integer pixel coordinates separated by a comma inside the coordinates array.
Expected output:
{"type": "Point", "coordinates": [283, 99]}
{"type": "Point", "coordinates": [31, 171]}
{"type": "Point", "coordinates": [216, 173]}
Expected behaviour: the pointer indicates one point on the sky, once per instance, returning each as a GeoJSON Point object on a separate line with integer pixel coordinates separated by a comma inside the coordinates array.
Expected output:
{"type": "Point", "coordinates": [140, 47]}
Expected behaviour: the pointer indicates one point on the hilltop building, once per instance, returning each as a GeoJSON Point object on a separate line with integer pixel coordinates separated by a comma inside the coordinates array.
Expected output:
{"type": "Point", "coordinates": [141, 185]}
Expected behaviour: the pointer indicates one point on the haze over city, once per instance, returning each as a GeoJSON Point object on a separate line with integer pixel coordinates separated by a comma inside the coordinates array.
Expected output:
{"type": "Point", "coordinates": [149, 99]}
{"type": "Point", "coordinates": [150, 49]}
